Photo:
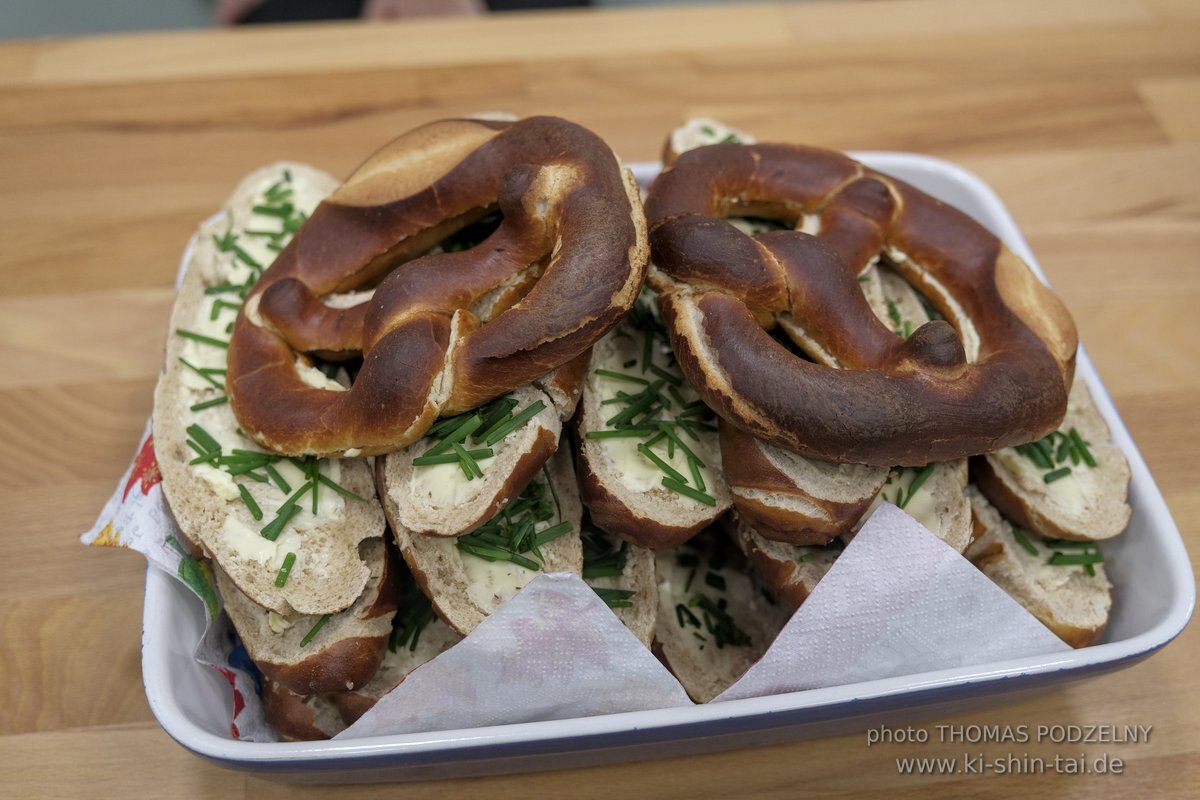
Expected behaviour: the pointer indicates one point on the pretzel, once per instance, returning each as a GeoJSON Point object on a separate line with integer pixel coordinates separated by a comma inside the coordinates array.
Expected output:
{"type": "Point", "coordinates": [443, 332]}
{"type": "Point", "coordinates": [995, 372]}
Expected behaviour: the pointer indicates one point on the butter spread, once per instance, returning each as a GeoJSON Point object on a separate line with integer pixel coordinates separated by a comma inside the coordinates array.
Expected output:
{"type": "Point", "coordinates": [637, 472]}
{"type": "Point", "coordinates": [234, 256]}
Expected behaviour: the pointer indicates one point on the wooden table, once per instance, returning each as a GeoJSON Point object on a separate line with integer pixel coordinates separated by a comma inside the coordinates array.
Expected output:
{"type": "Point", "coordinates": [1084, 116]}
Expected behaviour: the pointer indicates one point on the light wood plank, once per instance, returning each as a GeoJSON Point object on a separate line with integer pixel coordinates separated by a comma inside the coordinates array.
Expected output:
{"type": "Point", "coordinates": [1175, 103]}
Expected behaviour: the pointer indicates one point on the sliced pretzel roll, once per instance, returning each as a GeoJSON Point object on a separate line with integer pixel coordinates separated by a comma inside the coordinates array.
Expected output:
{"type": "Point", "coordinates": [790, 572]}
{"type": "Point", "coordinates": [715, 621]}
{"type": "Point", "coordinates": [207, 496]}
{"type": "Point", "coordinates": [934, 495]}
{"type": "Point", "coordinates": [571, 239]}
{"type": "Point", "coordinates": [466, 588]}
{"type": "Point", "coordinates": [417, 636]}
{"type": "Point", "coordinates": [1068, 599]}
{"type": "Point", "coordinates": [627, 491]}
{"type": "Point", "coordinates": [320, 654]}
{"type": "Point", "coordinates": [623, 575]}
{"type": "Point", "coordinates": [793, 499]}
{"type": "Point", "coordinates": [1050, 487]}
{"type": "Point", "coordinates": [895, 401]}
{"type": "Point", "coordinates": [297, 718]}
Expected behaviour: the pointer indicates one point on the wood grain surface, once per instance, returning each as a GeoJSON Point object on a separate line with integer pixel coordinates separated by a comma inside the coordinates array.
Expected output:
{"type": "Point", "coordinates": [1084, 116]}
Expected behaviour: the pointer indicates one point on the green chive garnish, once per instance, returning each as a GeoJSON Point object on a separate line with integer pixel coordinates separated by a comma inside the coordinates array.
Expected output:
{"type": "Point", "coordinates": [504, 429]}
{"type": "Point", "coordinates": [216, 401]}
{"type": "Point", "coordinates": [308, 637]}
{"type": "Point", "coordinates": [1082, 447]}
{"type": "Point", "coordinates": [616, 598]}
{"type": "Point", "coordinates": [619, 433]}
{"type": "Point", "coordinates": [203, 438]}
{"type": "Point", "coordinates": [1023, 540]}
{"type": "Point", "coordinates": [199, 337]}
{"type": "Point", "coordinates": [658, 462]}
{"type": "Point", "coordinates": [201, 372]}
{"type": "Point", "coordinates": [916, 484]}
{"type": "Point", "coordinates": [285, 570]}
{"type": "Point", "coordinates": [622, 376]}
{"type": "Point", "coordinates": [1075, 559]}
{"type": "Point", "coordinates": [248, 499]}
{"type": "Point", "coordinates": [278, 479]}
{"type": "Point", "coordinates": [457, 435]}
{"type": "Point", "coordinates": [688, 491]}
{"type": "Point", "coordinates": [1061, 472]}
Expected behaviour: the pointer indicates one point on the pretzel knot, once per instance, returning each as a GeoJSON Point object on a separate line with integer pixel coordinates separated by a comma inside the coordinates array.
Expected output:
{"type": "Point", "coordinates": [443, 332]}
{"type": "Point", "coordinates": [994, 372]}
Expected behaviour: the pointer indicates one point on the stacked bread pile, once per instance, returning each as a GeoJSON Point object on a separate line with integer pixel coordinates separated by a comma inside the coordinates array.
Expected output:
{"type": "Point", "coordinates": [388, 367]}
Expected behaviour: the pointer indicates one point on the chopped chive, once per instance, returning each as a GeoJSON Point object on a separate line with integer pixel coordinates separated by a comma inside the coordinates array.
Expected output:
{"type": "Point", "coordinates": [457, 435]}
{"type": "Point", "coordinates": [1061, 472]}
{"type": "Point", "coordinates": [616, 598]}
{"type": "Point", "coordinates": [285, 570]}
{"type": "Point", "coordinates": [658, 462]}
{"type": "Point", "coordinates": [627, 414]}
{"type": "Point", "coordinates": [1075, 559]}
{"type": "Point", "coordinates": [308, 637]}
{"type": "Point", "coordinates": [687, 491]}
{"type": "Point", "coordinates": [203, 438]}
{"type": "Point", "coordinates": [199, 337]}
{"type": "Point", "coordinates": [505, 428]}
{"type": "Point", "coordinates": [622, 376]}
{"type": "Point", "coordinates": [670, 378]}
{"type": "Point", "coordinates": [907, 330]}
{"type": "Point", "coordinates": [714, 580]}
{"type": "Point", "coordinates": [1082, 447]}
{"type": "Point", "coordinates": [248, 499]}
{"type": "Point", "coordinates": [284, 210]}
{"type": "Point", "coordinates": [495, 413]}
{"type": "Point", "coordinates": [278, 479]}
{"type": "Point", "coordinates": [216, 401]}
{"type": "Point", "coordinates": [275, 527]}
{"type": "Point", "coordinates": [685, 617]}
{"type": "Point", "coordinates": [647, 350]}
{"type": "Point", "coordinates": [496, 554]}
{"type": "Point", "coordinates": [805, 558]}
{"type": "Point", "coordinates": [679, 443]}
{"type": "Point", "coordinates": [917, 482]}
{"type": "Point", "coordinates": [1069, 544]}
{"type": "Point", "coordinates": [551, 533]}
{"type": "Point", "coordinates": [697, 478]}
{"type": "Point", "coordinates": [893, 311]}
{"type": "Point", "coordinates": [630, 363]}
{"type": "Point", "coordinates": [469, 467]}
{"type": "Point", "coordinates": [1023, 540]}
{"type": "Point", "coordinates": [553, 490]}
{"type": "Point", "coordinates": [200, 372]}
{"type": "Point", "coordinates": [220, 304]}
{"type": "Point", "coordinates": [619, 433]}
{"type": "Point", "coordinates": [452, 458]}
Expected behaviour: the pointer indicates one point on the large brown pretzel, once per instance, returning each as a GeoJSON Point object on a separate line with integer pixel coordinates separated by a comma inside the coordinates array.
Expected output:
{"type": "Point", "coordinates": [562, 268]}
{"type": "Point", "coordinates": [996, 374]}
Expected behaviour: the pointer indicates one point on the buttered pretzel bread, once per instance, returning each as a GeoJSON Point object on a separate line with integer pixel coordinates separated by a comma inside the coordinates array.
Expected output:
{"type": "Point", "coordinates": [442, 332]}
{"type": "Point", "coordinates": [996, 373]}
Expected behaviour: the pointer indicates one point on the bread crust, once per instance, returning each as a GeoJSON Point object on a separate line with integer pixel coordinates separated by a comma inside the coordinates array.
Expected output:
{"type": "Point", "coordinates": [346, 651]}
{"type": "Point", "coordinates": [299, 719]}
{"type": "Point", "coordinates": [439, 568]}
{"type": "Point", "coordinates": [804, 502]}
{"type": "Point", "coordinates": [330, 544]}
{"type": "Point", "coordinates": [896, 401]}
{"type": "Point", "coordinates": [1074, 606]}
{"type": "Point", "coordinates": [564, 196]}
{"type": "Point", "coordinates": [1103, 510]}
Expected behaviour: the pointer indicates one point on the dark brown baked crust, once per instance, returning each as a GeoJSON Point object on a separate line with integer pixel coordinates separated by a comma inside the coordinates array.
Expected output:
{"type": "Point", "coordinates": [895, 401]}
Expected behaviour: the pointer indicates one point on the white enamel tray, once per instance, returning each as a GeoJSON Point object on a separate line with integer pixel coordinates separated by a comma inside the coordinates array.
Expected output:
{"type": "Point", "coordinates": [1154, 595]}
